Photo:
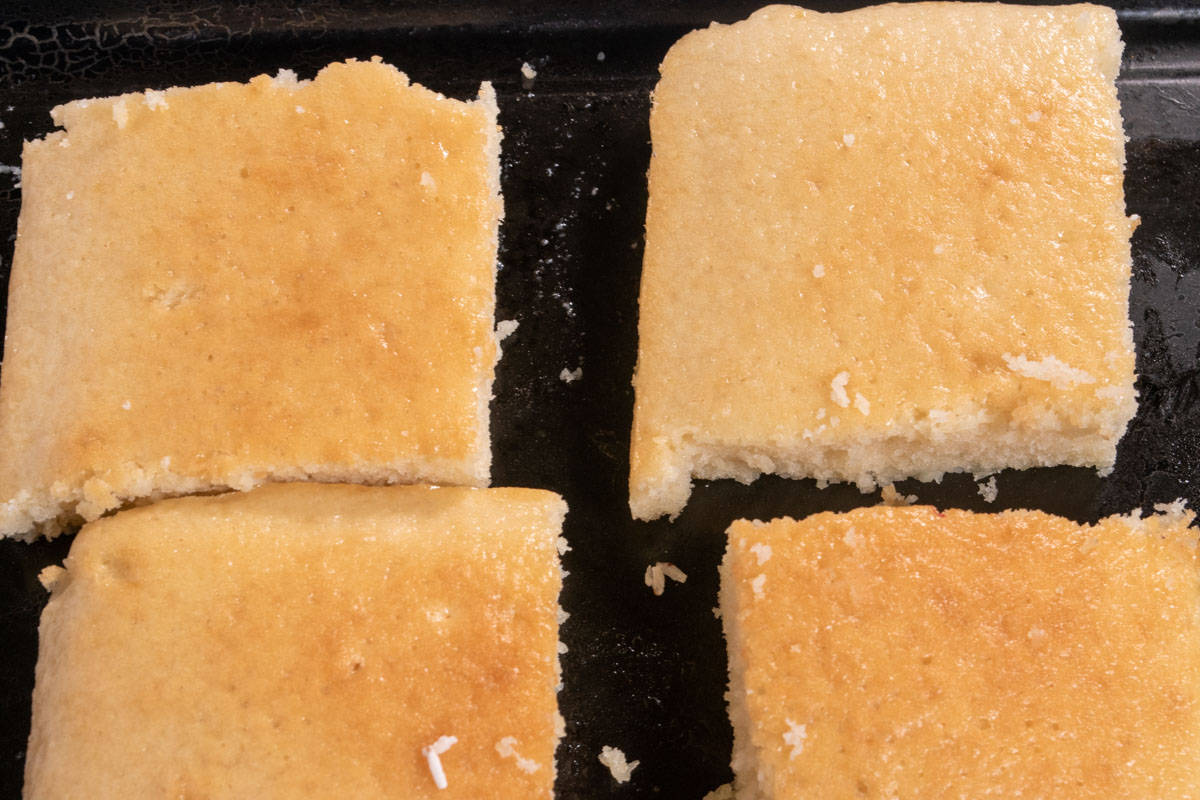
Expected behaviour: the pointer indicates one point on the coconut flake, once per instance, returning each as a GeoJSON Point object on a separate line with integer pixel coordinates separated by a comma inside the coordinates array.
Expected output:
{"type": "Point", "coordinates": [432, 755]}
{"type": "Point", "coordinates": [795, 738]}
{"type": "Point", "coordinates": [120, 114]}
{"type": "Point", "coordinates": [657, 574]}
{"type": "Point", "coordinates": [851, 538]}
{"type": "Point", "coordinates": [838, 389]}
{"type": "Point", "coordinates": [155, 99]}
{"type": "Point", "coordinates": [862, 404]}
{"type": "Point", "coordinates": [1057, 373]}
{"type": "Point", "coordinates": [507, 748]}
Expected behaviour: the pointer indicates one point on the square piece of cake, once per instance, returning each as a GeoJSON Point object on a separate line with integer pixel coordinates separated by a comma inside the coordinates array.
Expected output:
{"type": "Point", "coordinates": [904, 652]}
{"type": "Point", "coordinates": [881, 244]}
{"type": "Point", "coordinates": [305, 640]}
{"type": "Point", "coordinates": [218, 286]}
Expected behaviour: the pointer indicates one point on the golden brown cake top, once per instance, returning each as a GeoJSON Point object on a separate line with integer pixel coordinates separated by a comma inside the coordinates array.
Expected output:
{"type": "Point", "coordinates": [905, 214]}
{"type": "Point", "coordinates": [304, 641]}
{"type": "Point", "coordinates": [903, 652]}
{"type": "Point", "coordinates": [234, 280]}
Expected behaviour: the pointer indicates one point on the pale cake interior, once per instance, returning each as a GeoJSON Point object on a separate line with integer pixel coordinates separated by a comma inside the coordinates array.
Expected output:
{"type": "Point", "coordinates": [903, 652]}
{"type": "Point", "coordinates": [881, 244]}
{"type": "Point", "coordinates": [305, 640]}
{"type": "Point", "coordinates": [219, 286]}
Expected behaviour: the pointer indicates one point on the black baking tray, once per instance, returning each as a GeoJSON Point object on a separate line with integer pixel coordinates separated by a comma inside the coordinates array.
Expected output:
{"type": "Point", "coordinates": [643, 673]}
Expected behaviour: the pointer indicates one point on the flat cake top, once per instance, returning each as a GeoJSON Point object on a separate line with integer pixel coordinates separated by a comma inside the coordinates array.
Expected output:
{"type": "Point", "coordinates": [867, 219]}
{"type": "Point", "coordinates": [304, 640]}
{"type": "Point", "coordinates": [889, 652]}
{"type": "Point", "coordinates": [253, 277]}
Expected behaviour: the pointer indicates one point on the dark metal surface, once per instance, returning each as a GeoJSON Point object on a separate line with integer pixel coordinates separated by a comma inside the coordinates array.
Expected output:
{"type": "Point", "coordinates": [643, 673]}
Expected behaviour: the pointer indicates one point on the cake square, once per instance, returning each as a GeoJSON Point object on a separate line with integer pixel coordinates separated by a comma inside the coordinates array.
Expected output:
{"type": "Point", "coordinates": [883, 243]}
{"type": "Point", "coordinates": [305, 640]}
{"type": "Point", "coordinates": [904, 652]}
{"type": "Point", "coordinates": [218, 286]}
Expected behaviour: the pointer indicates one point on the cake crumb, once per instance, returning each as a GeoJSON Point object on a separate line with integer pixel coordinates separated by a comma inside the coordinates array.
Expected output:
{"type": "Point", "coordinates": [286, 79]}
{"type": "Point", "coordinates": [818, 270]}
{"type": "Point", "coordinates": [891, 497]}
{"type": "Point", "coordinates": [988, 489]}
{"type": "Point", "coordinates": [6, 169]}
{"type": "Point", "coordinates": [838, 389]}
{"type": "Point", "coordinates": [657, 574]}
{"type": "Point", "coordinates": [600, 56]}
{"type": "Point", "coordinates": [570, 375]}
{"type": "Point", "coordinates": [722, 792]}
{"type": "Point", "coordinates": [528, 72]}
{"type": "Point", "coordinates": [50, 576]}
{"type": "Point", "coordinates": [432, 755]}
{"type": "Point", "coordinates": [1176, 507]}
{"type": "Point", "coordinates": [614, 759]}
{"type": "Point", "coordinates": [506, 328]}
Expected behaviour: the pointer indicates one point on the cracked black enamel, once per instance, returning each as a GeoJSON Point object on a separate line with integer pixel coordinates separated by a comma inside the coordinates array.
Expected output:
{"type": "Point", "coordinates": [643, 673]}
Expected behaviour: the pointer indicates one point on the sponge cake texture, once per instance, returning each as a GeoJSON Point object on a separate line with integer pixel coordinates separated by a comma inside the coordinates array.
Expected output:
{"type": "Point", "coordinates": [305, 640]}
{"type": "Point", "coordinates": [219, 286]}
{"type": "Point", "coordinates": [881, 244]}
{"type": "Point", "coordinates": [906, 652]}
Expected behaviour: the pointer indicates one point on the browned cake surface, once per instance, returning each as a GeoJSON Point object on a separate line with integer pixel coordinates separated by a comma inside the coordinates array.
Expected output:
{"type": "Point", "coordinates": [876, 240]}
{"type": "Point", "coordinates": [220, 285]}
{"type": "Point", "coordinates": [902, 652]}
{"type": "Point", "coordinates": [301, 641]}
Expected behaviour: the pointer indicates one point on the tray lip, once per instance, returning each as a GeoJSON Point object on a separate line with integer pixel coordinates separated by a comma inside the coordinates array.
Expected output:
{"type": "Point", "coordinates": [174, 16]}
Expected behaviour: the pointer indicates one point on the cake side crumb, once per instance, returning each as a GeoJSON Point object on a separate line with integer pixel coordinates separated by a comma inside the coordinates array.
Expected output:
{"type": "Point", "coordinates": [506, 328]}
{"type": "Point", "coordinates": [722, 792]}
{"type": "Point", "coordinates": [891, 497]}
{"type": "Point", "coordinates": [614, 759]}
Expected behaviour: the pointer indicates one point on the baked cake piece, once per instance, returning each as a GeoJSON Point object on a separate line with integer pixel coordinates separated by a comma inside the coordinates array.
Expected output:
{"type": "Point", "coordinates": [903, 652]}
{"type": "Point", "coordinates": [881, 244]}
{"type": "Point", "coordinates": [218, 286]}
{"type": "Point", "coordinates": [305, 640]}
